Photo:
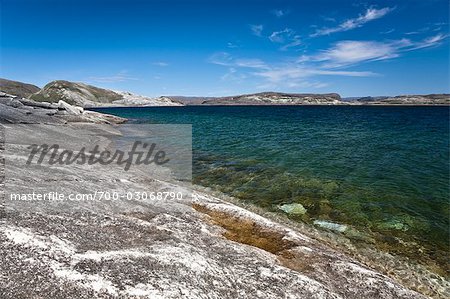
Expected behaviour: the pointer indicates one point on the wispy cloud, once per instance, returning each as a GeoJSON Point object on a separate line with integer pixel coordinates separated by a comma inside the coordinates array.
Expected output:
{"type": "Point", "coordinates": [328, 19]}
{"type": "Point", "coordinates": [280, 12]}
{"type": "Point", "coordinates": [279, 74]}
{"type": "Point", "coordinates": [292, 72]}
{"type": "Point", "coordinates": [337, 60]}
{"type": "Point", "coordinates": [432, 27]}
{"type": "Point", "coordinates": [293, 84]}
{"type": "Point", "coordinates": [288, 37]}
{"type": "Point", "coordinates": [419, 31]}
{"type": "Point", "coordinates": [348, 52]}
{"type": "Point", "coordinates": [233, 75]}
{"type": "Point", "coordinates": [281, 36]}
{"type": "Point", "coordinates": [225, 59]}
{"type": "Point", "coordinates": [160, 63]}
{"type": "Point", "coordinates": [119, 77]}
{"type": "Point", "coordinates": [232, 45]}
{"type": "Point", "coordinates": [250, 63]}
{"type": "Point", "coordinates": [369, 15]}
{"type": "Point", "coordinates": [295, 41]}
{"type": "Point", "coordinates": [388, 31]}
{"type": "Point", "coordinates": [257, 29]}
{"type": "Point", "coordinates": [431, 41]}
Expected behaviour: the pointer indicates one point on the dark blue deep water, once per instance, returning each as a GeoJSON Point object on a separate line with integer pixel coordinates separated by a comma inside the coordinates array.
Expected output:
{"type": "Point", "coordinates": [382, 170]}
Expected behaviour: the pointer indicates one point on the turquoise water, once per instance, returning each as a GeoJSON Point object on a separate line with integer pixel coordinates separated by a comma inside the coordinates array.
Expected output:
{"type": "Point", "coordinates": [382, 170]}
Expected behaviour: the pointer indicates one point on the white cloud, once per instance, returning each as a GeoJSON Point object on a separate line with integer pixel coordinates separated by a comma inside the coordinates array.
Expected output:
{"type": "Point", "coordinates": [292, 84]}
{"type": "Point", "coordinates": [160, 63]}
{"type": "Point", "coordinates": [388, 31]}
{"type": "Point", "coordinates": [257, 29]}
{"type": "Point", "coordinates": [346, 53]}
{"type": "Point", "coordinates": [419, 31]}
{"type": "Point", "coordinates": [225, 59]}
{"type": "Point", "coordinates": [250, 63]}
{"type": "Point", "coordinates": [351, 52]}
{"type": "Point", "coordinates": [428, 42]}
{"type": "Point", "coordinates": [288, 72]}
{"type": "Point", "coordinates": [295, 41]}
{"type": "Point", "coordinates": [334, 61]}
{"type": "Point", "coordinates": [291, 74]}
{"type": "Point", "coordinates": [329, 19]}
{"type": "Point", "coordinates": [370, 15]}
{"type": "Point", "coordinates": [344, 73]}
{"type": "Point", "coordinates": [434, 39]}
{"type": "Point", "coordinates": [119, 77]}
{"type": "Point", "coordinates": [280, 12]}
{"type": "Point", "coordinates": [281, 36]}
{"type": "Point", "coordinates": [287, 37]}
{"type": "Point", "coordinates": [233, 75]}
{"type": "Point", "coordinates": [221, 58]}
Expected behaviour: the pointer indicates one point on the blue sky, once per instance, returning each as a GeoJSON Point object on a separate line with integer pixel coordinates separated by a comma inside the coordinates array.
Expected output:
{"type": "Point", "coordinates": [215, 48]}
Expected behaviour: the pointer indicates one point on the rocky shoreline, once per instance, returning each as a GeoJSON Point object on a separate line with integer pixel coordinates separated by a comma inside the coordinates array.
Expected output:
{"type": "Point", "coordinates": [20, 110]}
{"type": "Point", "coordinates": [202, 246]}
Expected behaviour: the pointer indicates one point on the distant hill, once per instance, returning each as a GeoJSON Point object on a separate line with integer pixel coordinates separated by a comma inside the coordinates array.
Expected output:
{"type": "Point", "coordinates": [186, 100]}
{"type": "Point", "coordinates": [266, 98]}
{"type": "Point", "coordinates": [364, 99]}
{"type": "Point", "coordinates": [85, 95]}
{"type": "Point", "coordinates": [277, 98]}
{"type": "Point", "coordinates": [19, 89]}
{"type": "Point", "coordinates": [430, 99]}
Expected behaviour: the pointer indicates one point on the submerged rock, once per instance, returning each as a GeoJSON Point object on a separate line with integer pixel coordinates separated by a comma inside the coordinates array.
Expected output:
{"type": "Point", "coordinates": [404, 223]}
{"type": "Point", "coordinates": [293, 209]}
{"type": "Point", "coordinates": [331, 226]}
{"type": "Point", "coordinates": [395, 224]}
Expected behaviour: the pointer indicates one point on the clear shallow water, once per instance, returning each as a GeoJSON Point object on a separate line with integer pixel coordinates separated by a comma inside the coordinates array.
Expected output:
{"type": "Point", "coordinates": [382, 170]}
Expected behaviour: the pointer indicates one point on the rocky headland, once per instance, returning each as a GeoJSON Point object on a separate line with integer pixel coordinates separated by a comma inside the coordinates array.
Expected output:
{"type": "Point", "coordinates": [16, 110]}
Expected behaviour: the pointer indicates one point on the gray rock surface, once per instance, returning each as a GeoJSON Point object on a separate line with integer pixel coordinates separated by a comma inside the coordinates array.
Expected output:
{"type": "Point", "coordinates": [74, 110]}
{"type": "Point", "coordinates": [15, 110]}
